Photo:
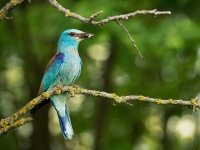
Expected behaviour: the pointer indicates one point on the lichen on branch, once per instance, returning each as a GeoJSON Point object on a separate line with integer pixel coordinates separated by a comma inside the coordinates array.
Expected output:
{"type": "Point", "coordinates": [7, 7]}
{"type": "Point", "coordinates": [16, 119]}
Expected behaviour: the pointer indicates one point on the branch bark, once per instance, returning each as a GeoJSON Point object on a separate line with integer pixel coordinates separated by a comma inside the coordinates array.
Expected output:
{"type": "Point", "coordinates": [91, 21]}
{"type": "Point", "coordinates": [16, 119]}
{"type": "Point", "coordinates": [7, 7]}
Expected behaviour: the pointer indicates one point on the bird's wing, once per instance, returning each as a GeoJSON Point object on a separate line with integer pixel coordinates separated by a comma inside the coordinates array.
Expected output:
{"type": "Point", "coordinates": [51, 72]}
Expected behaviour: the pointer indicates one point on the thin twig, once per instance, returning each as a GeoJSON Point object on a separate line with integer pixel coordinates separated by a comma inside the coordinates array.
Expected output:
{"type": "Point", "coordinates": [68, 13]}
{"type": "Point", "coordinates": [94, 15]}
{"type": "Point", "coordinates": [89, 20]}
{"type": "Point", "coordinates": [121, 25]}
{"type": "Point", "coordinates": [15, 120]}
{"type": "Point", "coordinates": [7, 7]}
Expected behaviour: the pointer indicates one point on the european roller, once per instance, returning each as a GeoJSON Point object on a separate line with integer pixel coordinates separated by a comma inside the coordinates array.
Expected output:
{"type": "Point", "coordinates": [63, 69]}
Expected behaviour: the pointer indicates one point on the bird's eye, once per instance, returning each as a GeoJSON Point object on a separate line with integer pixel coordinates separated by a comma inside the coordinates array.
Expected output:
{"type": "Point", "coordinates": [71, 33]}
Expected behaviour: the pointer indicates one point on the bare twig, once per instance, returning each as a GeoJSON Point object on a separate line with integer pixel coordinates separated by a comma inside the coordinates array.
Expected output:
{"type": "Point", "coordinates": [7, 7]}
{"type": "Point", "coordinates": [91, 21]}
{"type": "Point", "coordinates": [121, 25]}
{"type": "Point", "coordinates": [15, 120]}
{"type": "Point", "coordinates": [68, 13]}
{"type": "Point", "coordinates": [94, 15]}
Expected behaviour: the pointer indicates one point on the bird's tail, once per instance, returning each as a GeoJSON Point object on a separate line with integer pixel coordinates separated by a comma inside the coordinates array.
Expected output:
{"type": "Point", "coordinates": [59, 103]}
{"type": "Point", "coordinates": [66, 126]}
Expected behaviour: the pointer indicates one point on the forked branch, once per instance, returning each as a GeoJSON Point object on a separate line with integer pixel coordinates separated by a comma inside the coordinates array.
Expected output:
{"type": "Point", "coordinates": [91, 21]}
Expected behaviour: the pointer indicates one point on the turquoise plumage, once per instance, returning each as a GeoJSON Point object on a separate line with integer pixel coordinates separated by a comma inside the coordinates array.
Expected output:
{"type": "Point", "coordinates": [63, 69]}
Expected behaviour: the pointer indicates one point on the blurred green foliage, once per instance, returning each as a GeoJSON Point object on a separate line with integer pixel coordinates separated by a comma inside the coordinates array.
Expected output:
{"type": "Point", "coordinates": [170, 68]}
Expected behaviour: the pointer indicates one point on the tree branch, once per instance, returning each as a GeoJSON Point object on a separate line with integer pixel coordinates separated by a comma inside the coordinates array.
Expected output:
{"type": "Point", "coordinates": [6, 128]}
{"type": "Point", "coordinates": [121, 25]}
{"type": "Point", "coordinates": [91, 21]}
{"type": "Point", "coordinates": [15, 120]}
{"type": "Point", "coordinates": [68, 13]}
{"type": "Point", "coordinates": [7, 7]}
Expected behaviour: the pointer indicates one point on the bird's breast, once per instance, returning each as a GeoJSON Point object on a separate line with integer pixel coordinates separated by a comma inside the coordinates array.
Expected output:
{"type": "Point", "coordinates": [70, 69]}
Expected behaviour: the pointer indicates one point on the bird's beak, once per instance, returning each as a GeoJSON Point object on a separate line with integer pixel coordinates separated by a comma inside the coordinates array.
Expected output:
{"type": "Point", "coordinates": [86, 35]}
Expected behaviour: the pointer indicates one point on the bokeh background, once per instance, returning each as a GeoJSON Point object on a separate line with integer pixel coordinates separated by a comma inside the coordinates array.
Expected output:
{"type": "Point", "coordinates": [170, 68]}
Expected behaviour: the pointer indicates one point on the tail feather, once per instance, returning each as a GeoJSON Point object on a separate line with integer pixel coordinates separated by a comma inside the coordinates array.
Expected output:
{"type": "Point", "coordinates": [59, 103]}
{"type": "Point", "coordinates": [66, 127]}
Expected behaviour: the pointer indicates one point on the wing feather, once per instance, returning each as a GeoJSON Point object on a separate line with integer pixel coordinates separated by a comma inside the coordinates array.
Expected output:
{"type": "Point", "coordinates": [51, 72]}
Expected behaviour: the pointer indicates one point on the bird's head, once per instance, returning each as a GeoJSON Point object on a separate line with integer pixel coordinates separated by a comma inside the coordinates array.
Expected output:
{"type": "Point", "coordinates": [72, 37]}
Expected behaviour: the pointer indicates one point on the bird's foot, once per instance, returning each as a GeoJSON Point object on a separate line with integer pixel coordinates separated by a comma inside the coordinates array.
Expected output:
{"type": "Point", "coordinates": [72, 93]}
{"type": "Point", "coordinates": [74, 86]}
{"type": "Point", "coordinates": [73, 90]}
{"type": "Point", "coordinates": [45, 95]}
{"type": "Point", "coordinates": [59, 87]}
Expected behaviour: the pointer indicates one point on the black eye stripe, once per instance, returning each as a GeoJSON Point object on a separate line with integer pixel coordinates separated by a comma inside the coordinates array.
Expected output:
{"type": "Point", "coordinates": [72, 34]}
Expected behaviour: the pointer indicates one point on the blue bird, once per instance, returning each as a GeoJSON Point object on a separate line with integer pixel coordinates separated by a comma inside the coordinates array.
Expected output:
{"type": "Point", "coordinates": [63, 69]}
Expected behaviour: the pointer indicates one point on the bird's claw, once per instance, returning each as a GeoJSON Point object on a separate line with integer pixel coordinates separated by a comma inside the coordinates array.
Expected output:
{"type": "Point", "coordinates": [72, 91]}
{"type": "Point", "coordinates": [72, 95]}
{"type": "Point", "coordinates": [59, 87]}
{"type": "Point", "coordinates": [74, 86]}
{"type": "Point", "coordinates": [45, 95]}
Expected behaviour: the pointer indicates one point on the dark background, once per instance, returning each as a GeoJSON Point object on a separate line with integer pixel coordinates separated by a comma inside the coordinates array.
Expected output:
{"type": "Point", "coordinates": [170, 68]}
